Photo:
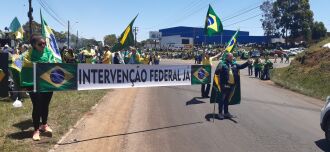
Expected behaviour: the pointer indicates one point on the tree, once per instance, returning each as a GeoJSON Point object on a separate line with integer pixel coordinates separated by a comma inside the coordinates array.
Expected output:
{"type": "Point", "coordinates": [268, 21]}
{"type": "Point", "coordinates": [110, 39]}
{"type": "Point", "coordinates": [294, 18]}
{"type": "Point", "coordinates": [318, 31]}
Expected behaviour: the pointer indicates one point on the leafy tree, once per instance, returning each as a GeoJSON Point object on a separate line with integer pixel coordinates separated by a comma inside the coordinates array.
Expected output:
{"type": "Point", "coordinates": [318, 30]}
{"type": "Point", "coordinates": [110, 39]}
{"type": "Point", "coordinates": [293, 18]}
{"type": "Point", "coordinates": [268, 21]}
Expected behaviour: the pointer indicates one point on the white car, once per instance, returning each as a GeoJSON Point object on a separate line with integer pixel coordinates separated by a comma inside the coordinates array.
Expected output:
{"type": "Point", "coordinates": [325, 119]}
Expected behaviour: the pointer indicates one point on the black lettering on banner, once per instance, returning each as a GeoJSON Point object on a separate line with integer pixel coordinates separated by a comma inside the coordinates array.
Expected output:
{"type": "Point", "coordinates": [156, 75]}
{"type": "Point", "coordinates": [118, 75]}
{"type": "Point", "coordinates": [94, 77]}
{"type": "Point", "coordinates": [161, 75]}
{"type": "Point", "coordinates": [131, 75]}
{"type": "Point", "coordinates": [125, 76]}
{"type": "Point", "coordinates": [170, 75]}
{"type": "Point", "coordinates": [113, 75]}
{"type": "Point", "coordinates": [79, 76]}
{"type": "Point", "coordinates": [137, 76]}
{"type": "Point", "coordinates": [165, 75]}
{"type": "Point", "coordinates": [86, 76]}
{"type": "Point", "coordinates": [106, 76]}
{"type": "Point", "coordinates": [144, 75]}
{"type": "Point", "coordinates": [151, 74]}
{"type": "Point", "coordinates": [179, 79]}
{"type": "Point", "coordinates": [174, 76]}
{"type": "Point", "coordinates": [100, 76]}
{"type": "Point", "coordinates": [188, 75]}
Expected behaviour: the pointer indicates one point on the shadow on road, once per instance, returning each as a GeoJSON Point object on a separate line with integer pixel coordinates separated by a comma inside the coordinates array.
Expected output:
{"type": "Point", "coordinates": [124, 134]}
{"type": "Point", "coordinates": [323, 144]}
{"type": "Point", "coordinates": [212, 116]}
{"type": "Point", "coordinates": [194, 101]}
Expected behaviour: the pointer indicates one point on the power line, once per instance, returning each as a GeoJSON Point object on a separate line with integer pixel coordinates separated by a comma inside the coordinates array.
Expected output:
{"type": "Point", "coordinates": [229, 18]}
{"type": "Point", "coordinates": [54, 12]}
{"type": "Point", "coordinates": [49, 13]}
{"type": "Point", "coordinates": [243, 20]}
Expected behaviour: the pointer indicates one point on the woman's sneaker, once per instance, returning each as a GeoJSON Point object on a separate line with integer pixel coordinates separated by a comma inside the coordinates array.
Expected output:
{"type": "Point", "coordinates": [45, 128]}
{"type": "Point", "coordinates": [36, 135]}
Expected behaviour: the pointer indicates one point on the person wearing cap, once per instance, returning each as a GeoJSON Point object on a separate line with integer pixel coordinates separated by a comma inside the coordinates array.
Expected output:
{"type": "Point", "coordinates": [207, 60]}
{"type": "Point", "coordinates": [89, 53]}
{"type": "Point", "coordinates": [229, 82]}
{"type": "Point", "coordinates": [107, 55]}
{"type": "Point", "coordinates": [133, 57]}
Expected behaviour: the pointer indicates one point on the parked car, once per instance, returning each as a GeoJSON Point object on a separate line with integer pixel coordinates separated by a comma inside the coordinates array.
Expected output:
{"type": "Point", "coordinates": [278, 52]}
{"type": "Point", "coordinates": [325, 119]}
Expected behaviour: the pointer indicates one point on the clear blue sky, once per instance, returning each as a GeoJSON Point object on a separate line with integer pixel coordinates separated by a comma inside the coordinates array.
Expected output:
{"type": "Point", "coordinates": [100, 17]}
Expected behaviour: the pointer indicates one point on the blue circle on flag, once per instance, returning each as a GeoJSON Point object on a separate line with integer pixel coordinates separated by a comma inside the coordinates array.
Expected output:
{"type": "Point", "coordinates": [232, 42]}
{"type": "Point", "coordinates": [210, 21]}
{"type": "Point", "coordinates": [57, 76]}
{"type": "Point", "coordinates": [201, 74]}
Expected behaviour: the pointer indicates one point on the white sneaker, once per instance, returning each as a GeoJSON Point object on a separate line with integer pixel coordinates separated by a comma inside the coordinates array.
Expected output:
{"type": "Point", "coordinates": [18, 103]}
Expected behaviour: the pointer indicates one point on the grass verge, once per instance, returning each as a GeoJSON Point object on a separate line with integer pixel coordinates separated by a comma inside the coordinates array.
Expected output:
{"type": "Point", "coordinates": [66, 109]}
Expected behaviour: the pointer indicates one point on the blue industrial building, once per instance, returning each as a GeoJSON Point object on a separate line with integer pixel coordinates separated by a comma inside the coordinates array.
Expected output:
{"type": "Point", "coordinates": [200, 38]}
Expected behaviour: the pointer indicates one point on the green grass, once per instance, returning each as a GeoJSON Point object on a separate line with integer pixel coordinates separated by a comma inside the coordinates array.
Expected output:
{"type": "Point", "coordinates": [65, 110]}
{"type": "Point", "coordinates": [310, 76]}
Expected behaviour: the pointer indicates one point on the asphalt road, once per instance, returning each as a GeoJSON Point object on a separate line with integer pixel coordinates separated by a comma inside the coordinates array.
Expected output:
{"type": "Point", "coordinates": [165, 119]}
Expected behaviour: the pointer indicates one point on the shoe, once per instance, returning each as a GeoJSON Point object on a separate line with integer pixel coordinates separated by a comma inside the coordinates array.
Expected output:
{"type": "Point", "coordinates": [45, 128]}
{"type": "Point", "coordinates": [228, 116]}
{"type": "Point", "coordinates": [221, 116]}
{"type": "Point", "coordinates": [36, 135]}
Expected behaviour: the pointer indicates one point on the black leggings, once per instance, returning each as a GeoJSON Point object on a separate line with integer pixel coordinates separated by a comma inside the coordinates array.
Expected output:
{"type": "Point", "coordinates": [40, 103]}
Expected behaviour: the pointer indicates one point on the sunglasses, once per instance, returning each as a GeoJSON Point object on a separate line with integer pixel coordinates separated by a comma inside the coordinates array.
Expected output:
{"type": "Point", "coordinates": [41, 44]}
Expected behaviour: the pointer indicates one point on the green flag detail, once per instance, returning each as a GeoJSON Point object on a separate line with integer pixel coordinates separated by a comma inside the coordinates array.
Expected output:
{"type": "Point", "coordinates": [232, 42]}
{"type": "Point", "coordinates": [126, 39]}
{"type": "Point", "coordinates": [201, 74]}
{"type": "Point", "coordinates": [213, 23]}
{"type": "Point", "coordinates": [56, 77]}
{"type": "Point", "coordinates": [15, 26]}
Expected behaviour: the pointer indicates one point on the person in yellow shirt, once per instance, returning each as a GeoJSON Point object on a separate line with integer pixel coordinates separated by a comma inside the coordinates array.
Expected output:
{"type": "Point", "coordinates": [89, 53]}
{"type": "Point", "coordinates": [207, 60]}
{"type": "Point", "coordinates": [107, 55]}
{"type": "Point", "coordinates": [69, 56]}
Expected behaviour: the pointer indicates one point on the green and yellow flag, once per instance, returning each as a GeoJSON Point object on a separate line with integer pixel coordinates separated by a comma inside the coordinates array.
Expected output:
{"type": "Point", "coordinates": [201, 74]}
{"type": "Point", "coordinates": [56, 77]}
{"type": "Point", "coordinates": [232, 43]}
{"type": "Point", "coordinates": [126, 39]}
{"type": "Point", "coordinates": [15, 26]}
{"type": "Point", "coordinates": [213, 23]}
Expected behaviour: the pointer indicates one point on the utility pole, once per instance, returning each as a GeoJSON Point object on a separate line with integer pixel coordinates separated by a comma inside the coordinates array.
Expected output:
{"type": "Point", "coordinates": [135, 33]}
{"type": "Point", "coordinates": [77, 40]}
{"type": "Point", "coordinates": [68, 34]}
{"type": "Point", "coordinates": [30, 17]}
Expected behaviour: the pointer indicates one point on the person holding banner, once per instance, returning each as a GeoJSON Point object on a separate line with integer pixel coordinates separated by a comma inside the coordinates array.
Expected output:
{"type": "Point", "coordinates": [133, 57]}
{"type": "Point", "coordinates": [228, 78]}
{"type": "Point", "coordinates": [207, 60]}
{"type": "Point", "coordinates": [107, 55]}
{"type": "Point", "coordinates": [89, 54]}
{"type": "Point", "coordinates": [40, 100]}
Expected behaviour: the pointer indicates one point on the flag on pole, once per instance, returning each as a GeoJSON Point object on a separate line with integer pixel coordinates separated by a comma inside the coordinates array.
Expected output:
{"type": "Point", "coordinates": [51, 43]}
{"type": "Point", "coordinates": [232, 43]}
{"type": "Point", "coordinates": [126, 39]}
{"type": "Point", "coordinates": [15, 26]}
{"type": "Point", "coordinates": [213, 23]}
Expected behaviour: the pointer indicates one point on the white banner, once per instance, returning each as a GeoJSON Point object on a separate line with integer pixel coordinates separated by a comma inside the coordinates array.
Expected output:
{"type": "Point", "coordinates": [105, 76]}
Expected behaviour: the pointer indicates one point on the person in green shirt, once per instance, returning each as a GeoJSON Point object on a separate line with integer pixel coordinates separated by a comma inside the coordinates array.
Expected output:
{"type": "Point", "coordinates": [257, 68]}
{"type": "Point", "coordinates": [267, 66]}
{"type": "Point", "coordinates": [40, 100]}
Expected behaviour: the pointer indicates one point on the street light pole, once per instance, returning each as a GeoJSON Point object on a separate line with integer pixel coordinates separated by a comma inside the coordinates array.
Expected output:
{"type": "Point", "coordinates": [68, 34]}
{"type": "Point", "coordinates": [30, 17]}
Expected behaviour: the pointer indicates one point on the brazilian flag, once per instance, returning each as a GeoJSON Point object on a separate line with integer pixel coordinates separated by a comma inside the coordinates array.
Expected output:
{"type": "Point", "coordinates": [56, 77]}
{"type": "Point", "coordinates": [216, 93]}
{"type": "Point", "coordinates": [15, 26]}
{"type": "Point", "coordinates": [213, 23]}
{"type": "Point", "coordinates": [232, 42]}
{"type": "Point", "coordinates": [126, 39]}
{"type": "Point", "coordinates": [201, 74]}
